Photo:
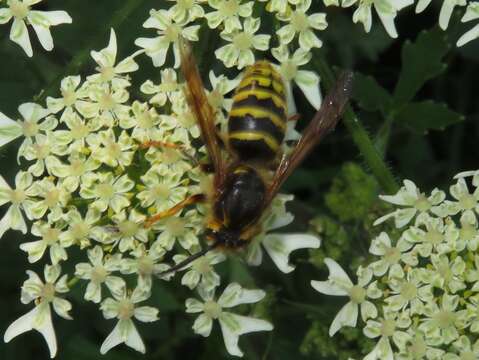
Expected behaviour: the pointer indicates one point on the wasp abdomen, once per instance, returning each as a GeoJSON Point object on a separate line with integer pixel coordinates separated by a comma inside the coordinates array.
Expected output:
{"type": "Point", "coordinates": [257, 120]}
{"type": "Point", "coordinates": [241, 202]}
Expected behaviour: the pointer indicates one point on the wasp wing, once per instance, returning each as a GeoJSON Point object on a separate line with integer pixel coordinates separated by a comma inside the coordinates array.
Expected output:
{"type": "Point", "coordinates": [322, 123]}
{"type": "Point", "coordinates": [201, 108]}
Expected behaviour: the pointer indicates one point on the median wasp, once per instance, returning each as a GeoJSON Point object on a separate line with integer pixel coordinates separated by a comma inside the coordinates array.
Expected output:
{"type": "Point", "coordinates": [244, 184]}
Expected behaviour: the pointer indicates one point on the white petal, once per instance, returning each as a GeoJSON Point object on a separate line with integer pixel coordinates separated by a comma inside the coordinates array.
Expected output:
{"type": "Point", "coordinates": [336, 273]}
{"type": "Point", "coordinates": [232, 326]}
{"type": "Point", "coordinates": [124, 331]}
{"type": "Point", "coordinates": [44, 36]}
{"type": "Point", "coordinates": [146, 313]}
{"type": "Point", "coordinates": [468, 36]}
{"type": "Point", "coordinates": [347, 316]}
{"type": "Point", "coordinates": [328, 288]}
{"type": "Point", "coordinates": [279, 246]}
{"type": "Point", "coordinates": [19, 35]}
{"type": "Point", "coordinates": [39, 319]}
{"type": "Point", "coordinates": [308, 82]}
{"type": "Point", "coordinates": [9, 130]}
{"type": "Point", "coordinates": [203, 325]}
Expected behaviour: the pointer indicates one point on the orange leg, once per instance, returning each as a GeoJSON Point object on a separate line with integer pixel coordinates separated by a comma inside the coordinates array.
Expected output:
{"type": "Point", "coordinates": [294, 117]}
{"type": "Point", "coordinates": [172, 211]}
{"type": "Point", "coordinates": [161, 144]}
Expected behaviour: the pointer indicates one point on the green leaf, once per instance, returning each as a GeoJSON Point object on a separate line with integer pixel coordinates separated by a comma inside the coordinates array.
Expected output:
{"type": "Point", "coordinates": [427, 115]}
{"type": "Point", "coordinates": [421, 61]}
{"type": "Point", "coordinates": [370, 95]}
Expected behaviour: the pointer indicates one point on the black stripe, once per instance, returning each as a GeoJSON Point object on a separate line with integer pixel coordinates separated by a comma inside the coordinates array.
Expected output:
{"type": "Point", "coordinates": [252, 149]}
{"type": "Point", "coordinates": [249, 123]}
{"type": "Point", "coordinates": [267, 104]}
{"type": "Point", "coordinates": [256, 85]}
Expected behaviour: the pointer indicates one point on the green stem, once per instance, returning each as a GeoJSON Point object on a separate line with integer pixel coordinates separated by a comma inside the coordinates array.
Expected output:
{"type": "Point", "coordinates": [359, 134]}
{"type": "Point", "coordinates": [83, 55]}
{"type": "Point", "coordinates": [72, 282]}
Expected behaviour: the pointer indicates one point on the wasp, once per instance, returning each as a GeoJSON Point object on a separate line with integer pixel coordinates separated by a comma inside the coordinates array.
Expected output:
{"type": "Point", "coordinates": [244, 185]}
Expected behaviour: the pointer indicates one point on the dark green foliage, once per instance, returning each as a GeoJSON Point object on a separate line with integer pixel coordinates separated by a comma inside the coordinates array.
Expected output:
{"type": "Point", "coordinates": [352, 186]}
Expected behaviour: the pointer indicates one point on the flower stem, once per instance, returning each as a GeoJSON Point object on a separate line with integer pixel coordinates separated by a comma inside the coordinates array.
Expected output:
{"type": "Point", "coordinates": [83, 55]}
{"type": "Point", "coordinates": [71, 283]}
{"type": "Point", "coordinates": [359, 134]}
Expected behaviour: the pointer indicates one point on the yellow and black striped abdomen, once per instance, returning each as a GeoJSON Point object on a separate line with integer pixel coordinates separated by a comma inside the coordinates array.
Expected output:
{"type": "Point", "coordinates": [257, 120]}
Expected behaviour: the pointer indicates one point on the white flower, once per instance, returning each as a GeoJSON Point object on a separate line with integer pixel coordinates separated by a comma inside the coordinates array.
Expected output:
{"type": "Point", "coordinates": [391, 256]}
{"type": "Point", "coordinates": [441, 323]}
{"type": "Point", "coordinates": [51, 198]}
{"type": "Point", "coordinates": [221, 86]}
{"type": "Point", "coordinates": [414, 201]}
{"type": "Point", "coordinates": [446, 10]}
{"type": "Point", "coordinates": [339, 284]}
{"type": "Point", "coordinates": [75, 171]}
{"type": "Point", "coordinates": [163, 189]}
{"type": "Point", "coordinates": [129, 227]}
{"type": "Point", "coordinates": [107, 70]}
{"type": "Point", "coordinates": [169, 31]}
{"type": "Point", "coordinates": [183, 228]}
{"type": "Point", "coordinates": [106, 102]}
{"type": "Point", "coordinates": [465, 201]}
{"type": "Point", "coordinates": [123, 307]}
{"type": "Point", "coordinates": [386, 328]}
{"type": "Point", "coordinates": [239, 53]}
{"type": "Point", "coordinates": [186, 10]}
{"type": "Point", "coordinates": [436, 238]}
{"type": "Point", "coordinates": [464, 349]}
{"type": "Point", "coordinates": [40, 318]}
{"type": "Point", "coordinates": [279, 246]}
{"type": "Point", "coordinates": [308, 81]}
{"type": "Point", "coordinates": [109, 150]}
{"type": "Point", "coordinates": [45, 147]}
{"type": "Point", "coordinates": [409, 291]}
{"type": "Point", "coordinates": [107, 191]}
{"type": "Point", "coordinates": [144, 264]}
{"type": "Point", "coordinates": [387, 11]}
{"type": "Point", "coordinates": [144, 122]}
{"type": "Point", "coordinates": [418, 348]}
{"type": "Point", "coordinates": [232, 325]}
{"type": "Point", "coordinates": [201, 271]}
{"type": "Point", "coordinates": [164, 90]}
{"type": "Point", "coordinates": [29, 126]}
{"type": "Point", "coordinates": [41, 21]}
{"type": "Point", "coordinates": [80, 228]}
{"type": "Point", "coordinates": [71, 93]}
{"type": "Point", "coordinates": [99, 272]}
{"type": "Point", "coordinates": [50, 239]}
{"type": "Point", "coordinates": [299, 22]}
{"type": "Point", "coordinates": [19, 199]}
{"type": "Point", "coordinates": [228, 12]}
{"type": "Point", "coordinates": [445, 274]}
{"type": "Point", "coordinates": [472, 13]}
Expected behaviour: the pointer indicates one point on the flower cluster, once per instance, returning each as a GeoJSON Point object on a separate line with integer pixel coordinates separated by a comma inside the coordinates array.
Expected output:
{"type": "Point", "coordinates": [22, 14]}
{"type": "Point", "coordinates": [243, 36]}
{"type": "Point", "coordinates": [420, 298]}
{"type": "Point", "coordinates": [97, 168]}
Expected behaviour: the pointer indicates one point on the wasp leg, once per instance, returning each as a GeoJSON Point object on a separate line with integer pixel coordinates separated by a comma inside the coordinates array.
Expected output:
{"type": "Point", "coordinates": [294, 117]}
{"type": "Point", "coordinates": [172, 211]}
{"type": "Point", "coordinates": [167, 145]}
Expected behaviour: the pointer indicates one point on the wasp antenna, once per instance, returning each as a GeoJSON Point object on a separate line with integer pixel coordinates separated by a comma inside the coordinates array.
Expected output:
{"type": "Point", "coordinates": [190, 259]}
